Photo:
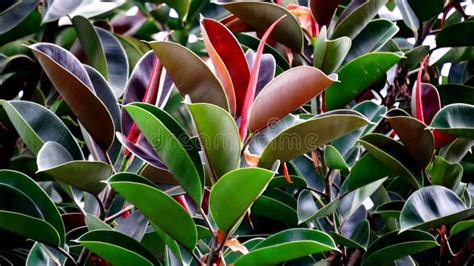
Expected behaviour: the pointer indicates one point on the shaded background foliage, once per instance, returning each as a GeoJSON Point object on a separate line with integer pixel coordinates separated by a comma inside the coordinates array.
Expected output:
{"type": "Point", "coordinates": [236, 132]}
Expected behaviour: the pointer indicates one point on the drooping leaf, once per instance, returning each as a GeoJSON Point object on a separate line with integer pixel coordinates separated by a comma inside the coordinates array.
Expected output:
{"type": "Point", "coordinates": [71, 80]}
{"type": "Point", "coordinates": [288, 91]}
{"type": "Point", "coordinates": [29, 119]}
{"type": "Point", "coordinates": [41, 200]}
{"type": "Point", "coordinates": [433, 206]}
{"type": "Point", "coordinates": [455, 119]}
{"type": "Point", "coordinates": [461, 226]}
{"type": "Point", "coordinates": [117, 248]}
{"type": "Point", "coordinates": [373, 37]}
{"type": "Point", "coordinates": [329, 54]}
{"type": "Point", "coordinates": [395, 245]}
{"type": "Point", "coordinates": [246, 185]}
{"type": "Point", "coordinates": [229, 60]}
{"type": "Point", "coordinates": [354, 22]}
{"type": "Point", "coordinates": [444, 173]}
{"type": "Point", "coordinates": [261, 15]}
{"type": "Point", "coordinates": [287, 245]}
{"type": "Point", "coordinates": [456, 35]}
{"type": "Point", "coordinates": [416, 137]}
{"type": "Point", "coordinates": [323, 11]}
{"type": "Point", "coordinates": [190, 74]}
{"type": "Point", "coordinates": [219, 137]}
{"type": "Point", "coordinates": [357, 76]}
{"type": "Point", "coordinates": [54, 160]}
{"type": "Point", "coordinates": [169, 147]}
{"type": "Point", "coordinates": [309, 135]}
{"type": "Point", "coordinates": [141, 193]}
{"type": "Point", "coordinates": [15, 13]}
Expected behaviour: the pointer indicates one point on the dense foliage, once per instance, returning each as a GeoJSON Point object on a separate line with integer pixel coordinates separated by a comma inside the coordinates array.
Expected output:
{"type": "Point", "coordinates": [177, 132]}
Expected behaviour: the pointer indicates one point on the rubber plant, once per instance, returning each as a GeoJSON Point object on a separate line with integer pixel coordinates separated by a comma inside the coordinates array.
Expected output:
{"type": "Point", "coordinates": [141, 132]}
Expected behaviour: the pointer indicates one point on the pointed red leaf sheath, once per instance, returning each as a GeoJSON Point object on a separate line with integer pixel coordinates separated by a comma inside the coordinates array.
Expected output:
{"type": "Point", "coordinates": [229, 61]}
{"type": "Point", "coordinates": [151, 96]}
{"type": "Point", "coordinates": [419, 103]}
{"type": "Point", "coordinates": [250, 92]}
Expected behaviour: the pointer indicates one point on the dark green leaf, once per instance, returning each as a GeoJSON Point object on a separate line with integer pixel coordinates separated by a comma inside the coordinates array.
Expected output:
{"type": "Point", "coordinates": [234, 193]}
{"type": "Point", "coordinates": [146, 197]}
{"type": "Point", "coordinates": [357, 76]}
{"type": "Point", "coordinates": [117, 248]}
{"type": "Point", "coordinates": [432, 206]}
{"type": "Point", "coordinates": [329, 54]}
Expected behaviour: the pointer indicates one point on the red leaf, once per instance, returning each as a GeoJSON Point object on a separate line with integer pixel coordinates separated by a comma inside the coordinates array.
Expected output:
{"type": "Point", "coordinates": [229, 60]}
{"type": "Point", "coordinates": [250, 92]}
{"type": "Point", "coordinates": [235, 24]}
{"type": "Point", "coordinates": [323, 10]}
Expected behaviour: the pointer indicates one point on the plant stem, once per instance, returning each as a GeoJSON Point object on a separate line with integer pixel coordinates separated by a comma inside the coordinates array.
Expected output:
{"type": "Point", "coordinates": [206, 220]}
{"type": "Point", "coordinates": [117, 214]}
{"type": "Point", "coordinates": [101, 207]}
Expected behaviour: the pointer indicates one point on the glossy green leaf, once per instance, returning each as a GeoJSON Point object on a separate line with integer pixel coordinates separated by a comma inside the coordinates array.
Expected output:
{"type": "Point", "coordinates": [334, 159]}
{"type": "Point", "coordinates": [357, 76]}
{"type": "Point", "coordinates": [94, 223]}
{"type": "Point", "coordinates": [308, 209]}
{"type": "Point", "coordinates": [309, 135]}
{"type": "Point", "coordinates": [70, 79]}
{"type": "Point", "coordinates": [190, 74]}
{"type": "Point", "coordinates": [54, 160]}
{"type": "Point", "coordinates": [117, 248]}
{"type": "Point", "coordinates": [41, 254]}
{"type": "Point", "coordinates": [390, 209]}
{"type": "Point", "coordinates": [91, 44]}
{"type": "Point", "coordinates": [234, 193]}
{"type": "Point", "coordinates": [433, 206]}
{"type": "Point", "coordinates": [395, 245]}
{"type": "Point", "coordinates": [287, 245]}
{"type": "Point", "coordinates": [275, 209]}
{"type": "Point", "coordinates": [394, 156]}
{"type": "Point", "coordinates": [168, 147]}
{"type": "Point", "coordinates": [456, 150]}
{"type": "Point", "coordinates": [181, 7]}
{"type": "Point", "coordinates": [328, 54]}
{"type": "Point", "coordinates": [377, 33]}
{"type": "Point", "coordinates": [444, 173]}
{"type": "Point", "coordinates": [261, 15]}
{"type": "Point", "coordinates": [41, 200]}
{"type": "Point", "coordinates": [29, 119]}
{"type": "Point", "coordinates": [461, 226]}
{"type": "Point", "coordinates": [358, 239]}
{"type": "Point", "coordinates": [19, 214]}
{"type": "Point", "coordinates": [366, 170]}
{"type": "Point", "coordinates": [219, 137]}
{"type": "Point", "coordinates": [416, 137]}
{"type": "Point", "coordinates": [353, 200]}
{"type": "Point", "coordinates": [456, 35]}
{"type": "Point", "coordinates": [455, 119]}
{"type": "Point", "coordinates": [289, 91]}
{"type": "Point", "coordinates": [352, 24]}
{"type": "Point", "coordinates": [146, 197]}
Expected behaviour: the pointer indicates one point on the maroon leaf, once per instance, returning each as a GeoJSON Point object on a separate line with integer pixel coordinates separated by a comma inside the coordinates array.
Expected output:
{"type": "Point", "coordinates": [323, 10]}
